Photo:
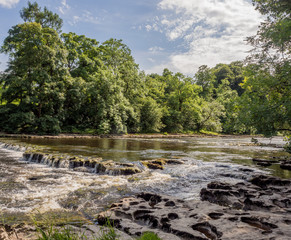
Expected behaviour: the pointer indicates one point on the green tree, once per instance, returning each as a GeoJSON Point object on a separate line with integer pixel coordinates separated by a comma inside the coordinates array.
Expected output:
{"type": "Point", "coordinates": [150, 116]}
{"type": "Point", "coordinates": [205, 78]}
{"type": "Point", "coordinates": [268, 76]}
{"type": "Point", "coordinates": [272, 41]}
{"type": "Point", "coordinates": [46, 18]}
{"type": "Point", "coordinates": [34, 83]}
{"type": "Point", "coordinates": [83, 55]}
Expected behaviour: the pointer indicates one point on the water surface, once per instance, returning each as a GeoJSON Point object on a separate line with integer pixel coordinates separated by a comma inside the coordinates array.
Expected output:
{"type": "Point", "coordinates": [26, 187]}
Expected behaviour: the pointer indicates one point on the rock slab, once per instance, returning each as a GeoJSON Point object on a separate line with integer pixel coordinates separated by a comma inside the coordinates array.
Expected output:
{"type": "Point", "coordinates": [258, 209]}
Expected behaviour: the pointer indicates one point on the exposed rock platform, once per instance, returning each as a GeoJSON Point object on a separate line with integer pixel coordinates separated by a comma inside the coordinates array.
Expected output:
{"type": "Point", "coordinates": [258, 209]}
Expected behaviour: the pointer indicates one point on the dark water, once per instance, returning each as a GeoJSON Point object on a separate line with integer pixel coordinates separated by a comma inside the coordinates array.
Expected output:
{"type": "Point", "coordinates": [29, 187]}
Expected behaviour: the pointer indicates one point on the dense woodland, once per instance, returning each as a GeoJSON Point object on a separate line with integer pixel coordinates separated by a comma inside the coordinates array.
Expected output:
{"type": "Point", "coordinates": [63, 82]}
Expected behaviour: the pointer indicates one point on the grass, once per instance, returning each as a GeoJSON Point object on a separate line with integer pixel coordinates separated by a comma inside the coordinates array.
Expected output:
{"type": "Point", "coordinates": [107, 232]}
{"type": "Point", "coordinates": [149, 236]}
{"type": "Point", "coordinates": [66, 233]}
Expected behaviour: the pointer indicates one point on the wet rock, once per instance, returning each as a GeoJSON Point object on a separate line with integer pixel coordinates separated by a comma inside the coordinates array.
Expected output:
{"type": "Point", "coordinates": [152, 165]}
{"type": "Point", "coordinates": [264, 162]}
{"type": "Point", "coordinates": [93, 165]}
{"type": "Point", "coordinates": [258, 160]}
{"type": "Point", "coordinates": [286, 165]}
{"type": "Point", "coordinates": [114, 168]}
{"type": "Point", "coordinates": [159, 163]}
{"type": "Point", "coordinates": [264, 193]}
{"type": "Point", "coordinates": [164, 215]}
{"type": "Point", "coordinates": [276, 183]}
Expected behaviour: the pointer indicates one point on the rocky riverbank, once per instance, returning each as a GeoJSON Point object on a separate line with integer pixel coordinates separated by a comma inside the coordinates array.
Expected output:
{"type": "Point", "coordinates": [258, 209]}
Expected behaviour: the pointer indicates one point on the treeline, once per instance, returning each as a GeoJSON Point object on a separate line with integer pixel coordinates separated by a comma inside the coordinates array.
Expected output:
{"type": "Point", "coordinates": [63, 82]}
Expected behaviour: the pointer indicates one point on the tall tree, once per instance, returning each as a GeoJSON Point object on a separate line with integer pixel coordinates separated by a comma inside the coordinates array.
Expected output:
{"type": "Point", "coordinates": [268, 80]}
{"type": "Point", "coordinates": [46, 18]}
{"type": "Point", "coordinates": [34, 82]}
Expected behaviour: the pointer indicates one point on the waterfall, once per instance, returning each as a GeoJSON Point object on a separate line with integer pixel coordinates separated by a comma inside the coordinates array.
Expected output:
{"type": "Point", "coordinates": [93, 165]}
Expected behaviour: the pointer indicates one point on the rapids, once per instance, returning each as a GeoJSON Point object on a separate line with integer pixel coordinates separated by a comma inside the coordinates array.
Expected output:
{"type": "Point", "coordinates": [29, 187]}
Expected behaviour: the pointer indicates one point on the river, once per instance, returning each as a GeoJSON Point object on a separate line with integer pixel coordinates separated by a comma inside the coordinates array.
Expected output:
{"type": "Point", "coordinates": [27, 188]}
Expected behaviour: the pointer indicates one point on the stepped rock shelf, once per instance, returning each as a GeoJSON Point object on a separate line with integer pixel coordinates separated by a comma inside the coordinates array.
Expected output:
{"type": "Point", "coordinates": [88, 164]}
{"type": "Point", "coordinates": [257, 209]}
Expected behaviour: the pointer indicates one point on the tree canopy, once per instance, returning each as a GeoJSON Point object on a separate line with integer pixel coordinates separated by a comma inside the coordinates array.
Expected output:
{"type": "Point", "coordinates": [63, 82]}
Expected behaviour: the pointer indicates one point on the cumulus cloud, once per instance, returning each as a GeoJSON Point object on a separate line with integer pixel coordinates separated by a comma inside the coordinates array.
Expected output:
{"type": "Point", "coordinates": [213, 31]}
{"type": "Point", "coordinates": [8, 3]}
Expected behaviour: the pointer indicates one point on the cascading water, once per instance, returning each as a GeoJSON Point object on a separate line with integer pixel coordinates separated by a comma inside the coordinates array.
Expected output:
{"type": "Point", "coordinates": [57, 181]}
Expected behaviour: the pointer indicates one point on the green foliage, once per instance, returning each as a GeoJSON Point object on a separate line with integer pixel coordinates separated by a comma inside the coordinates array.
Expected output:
{"type": "Point", "coordinates": [206, 79]}
{"type": "Point", "coordinates": [71, 83]}
{"type": "Point", "coordinates": [266, 104]}
{"type": "Point", "coordinates": [150, 116]}
{"type": "Point", "coordinates": [35, 78]}
{"type": "Point", "coordinates": [149, 236]}
{"type": "Point", "coordinates": [268, 75]}
{"type": "Point", "coordinates": [58, 234]}
{"type": "Point", "coordinates": [274, 33]}
{"type": "Point", "coordinates": [46, 18]}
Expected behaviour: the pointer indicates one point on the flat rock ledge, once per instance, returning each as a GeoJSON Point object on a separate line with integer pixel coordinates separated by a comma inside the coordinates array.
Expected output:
{"type": "Point", "coordinates": [258, 209]}
{"type": "Point", "coordinates": [89, 164]}
{"type": "Point", "coordinates": [284, 162]}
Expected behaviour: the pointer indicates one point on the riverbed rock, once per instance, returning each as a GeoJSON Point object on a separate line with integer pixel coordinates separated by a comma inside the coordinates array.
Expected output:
{"type": "Point", "coordinates": [159, 163]}
{"type": "Point", "coordinates": [114, 168]}
{"type": "Point", "coordinates": [286, 165]}
{"type": "Point", "coordinates": [17, 232]}
{"type": "Point", "coordinates": [257, 209]}
{"type": "Point", "coordinates": [93, 165]}
{"type": "Point", "coordinates": [264, 162]}
{"type": "Point", "coordinates": [262, 193]}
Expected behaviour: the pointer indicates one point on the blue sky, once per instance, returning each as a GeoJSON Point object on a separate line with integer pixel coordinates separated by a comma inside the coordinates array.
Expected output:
{"type": "Point", "coordinates": [179, 35]}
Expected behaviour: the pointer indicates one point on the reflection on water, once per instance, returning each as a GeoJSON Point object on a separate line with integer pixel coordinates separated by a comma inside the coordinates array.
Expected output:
{"type": "Point", "coordinates": [214, 149]}
{"type": "Point", "coordinates": [27, 187]}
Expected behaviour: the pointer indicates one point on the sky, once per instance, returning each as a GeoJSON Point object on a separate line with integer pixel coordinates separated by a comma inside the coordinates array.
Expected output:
{"type": "Point", "coordinates": [180, 35]}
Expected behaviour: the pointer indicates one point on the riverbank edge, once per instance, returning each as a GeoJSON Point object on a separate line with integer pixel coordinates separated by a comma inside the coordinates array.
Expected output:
{"type": "Point", "coordinates": [122, 136]}
{"type": "Point", "coordinates": [215, 210]}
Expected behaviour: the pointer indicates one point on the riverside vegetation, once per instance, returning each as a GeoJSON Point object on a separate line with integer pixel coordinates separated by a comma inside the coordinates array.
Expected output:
{"type": "Point", "coordinates": [63, 82]}
{"type": "Point", "coordinates": [59, 82]}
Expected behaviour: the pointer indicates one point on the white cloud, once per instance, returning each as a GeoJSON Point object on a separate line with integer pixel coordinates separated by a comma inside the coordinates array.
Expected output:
{"type": "Point", "coordinates": [213, 31]}
{"type": "Point", "coordinates": [148, 27]}
{"type": "Point", "coordinates": [151, 60]}
{"type": "Point", "coordinates": [8, 3]}
{"type": "Point", "coordinates": [64, 7]}
{"type": "Point", "coordinates": [155, 50]}
{"type": "Point", "coordinates": [87, 17]}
